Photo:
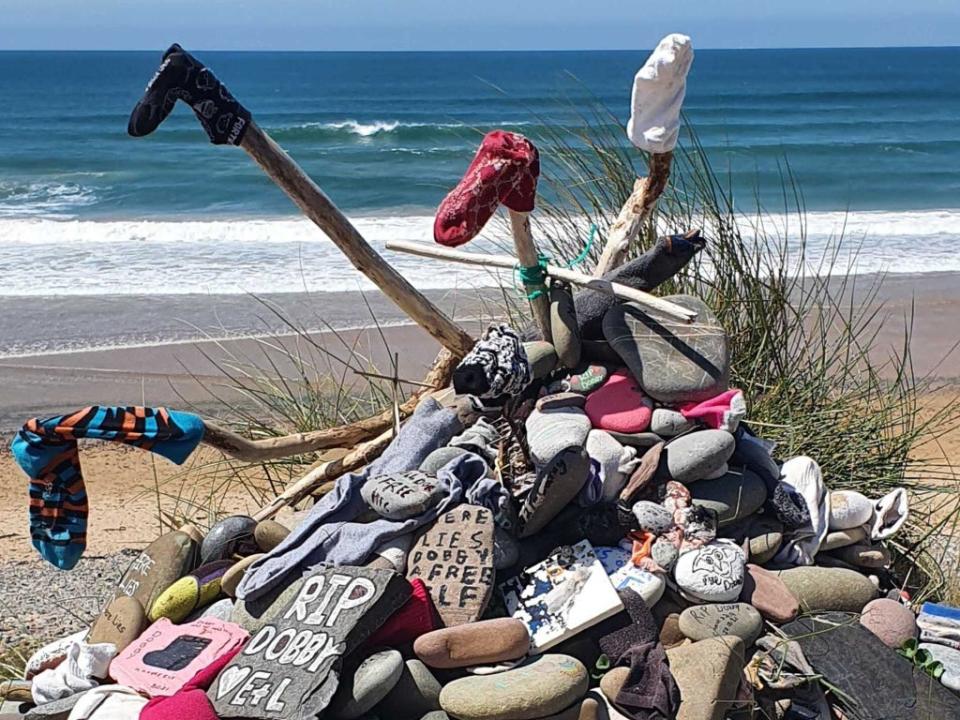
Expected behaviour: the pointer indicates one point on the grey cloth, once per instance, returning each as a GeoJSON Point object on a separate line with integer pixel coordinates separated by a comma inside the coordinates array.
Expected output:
{"type": "Point", "coordinates": [329, 533]}
{"type": "Point", "coordinates": [782, 501]}
{"type": "Point", "coordinates": [481, 438]}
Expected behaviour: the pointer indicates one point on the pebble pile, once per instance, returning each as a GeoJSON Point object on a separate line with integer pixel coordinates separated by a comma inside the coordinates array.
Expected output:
{"type": "Point", "coordinates": [596, 537]}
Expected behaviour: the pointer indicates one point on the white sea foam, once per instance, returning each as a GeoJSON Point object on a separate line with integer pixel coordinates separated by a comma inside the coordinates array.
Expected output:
{"type": "Point", "coordinates": [41, 256]}
{"type": "Point", "coordinates": [39, 199]}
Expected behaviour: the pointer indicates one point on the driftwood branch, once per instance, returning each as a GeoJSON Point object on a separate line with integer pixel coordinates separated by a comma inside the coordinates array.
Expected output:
{"type": "Point", "coordinates": [634, 213]}
{"type": "Point", "coordinates": [349, 435]}
{"type": "Point", "coordinates": [320, 209]}
{"type": "Point", "coordinates": [528, 256]}
{"type": "Point", "coordinates": [505, 261]}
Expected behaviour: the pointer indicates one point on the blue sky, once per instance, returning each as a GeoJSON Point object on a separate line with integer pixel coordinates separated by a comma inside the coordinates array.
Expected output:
{"type": "Point", "coordinates": [471, 24]}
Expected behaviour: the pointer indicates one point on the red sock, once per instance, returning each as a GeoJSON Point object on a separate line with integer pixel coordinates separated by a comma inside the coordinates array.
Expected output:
{"type": "Point", "coordinates": [504, 170]}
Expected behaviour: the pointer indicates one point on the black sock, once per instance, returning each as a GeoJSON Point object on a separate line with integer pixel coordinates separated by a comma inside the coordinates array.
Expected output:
{"type": "Point", "coordinates": [182, 77]}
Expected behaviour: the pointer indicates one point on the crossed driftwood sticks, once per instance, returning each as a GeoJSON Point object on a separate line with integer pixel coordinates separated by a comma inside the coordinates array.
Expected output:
{"type": "Point", "coordinates": [368, 437]}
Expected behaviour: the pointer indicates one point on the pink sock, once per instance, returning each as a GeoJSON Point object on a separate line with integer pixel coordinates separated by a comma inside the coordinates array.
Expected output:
{"type": "Point", "coordinates": [723, 412]}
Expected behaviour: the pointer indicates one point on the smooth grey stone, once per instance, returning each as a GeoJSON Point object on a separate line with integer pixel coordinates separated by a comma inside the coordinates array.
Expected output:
{"type": "Point", "coordinates": [398, 496]}
{"type": "Point", "coordinates": [506, 551]}
{"type": "Point", "coordinates": [823, 589]}
{"type": "Point", "coordinates": [637, 440]}
{"type": "Point", "coordinates": [561, 400]}
{"type": "Point", "coordinates": [653, 517]}
{"type": "Point", "coordinates": [436, 715]}
{"type": "Point", "coordinates": [542, 357]}
{"type": "Point", "coordinates": [333, 611]}
{"type": "Point", "coordinates": [440, 457]}
{"type": "Point", "coordinates": [231, 536]}
{"type": "Point", "coordinates": [556, 485]}
{"type": "Point", "coordinates": [56, 710]}
{"type": "Point", "coordinates": [716, 620]}
{"type": "Point", "coordinates": [669, 423]}
{"type": "Point", "coordinates": [733, 497]}
{"type": "Point", "coordinates": [269, 533]}
{"type": "Point", "coordinates": [762, 535]}
{"type": "Point", "coordinates": [563, 325]}
{"type": "Point", "coordinates": [416, 694]}
{"type": "Point", "coordinates": [252, 615]}
{"type": "Point", "coordinates": [664, 553]}
{"type": "Point", "coordinates": [843, 538]}
{"type": "Point", "coordinates": [674, 361]}
{"type": "Point", "coordinates": [697, 455]}
{"type": "Point", "coordinates": [372, 681]}
{"type": "Point", "coordinates": [221, 610]}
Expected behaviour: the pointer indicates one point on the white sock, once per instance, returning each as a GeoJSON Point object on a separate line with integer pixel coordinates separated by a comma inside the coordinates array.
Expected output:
{"type": "Point", "coordinates": [658, 91]}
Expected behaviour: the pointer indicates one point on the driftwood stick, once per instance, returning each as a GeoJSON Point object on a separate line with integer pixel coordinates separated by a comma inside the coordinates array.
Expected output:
{"type": "Point", "coordinates": [634, 213]}
{"type": "Point", "coordinates": [326, 472]}
{"type": "Point", "coordinates": [349, 435]}
{"type": "Point", "coordinates": [320, 209]}
{"type": "Point", "coordinates": [528, 256]}
{"type": "Point", "coordinates": [505, 261]}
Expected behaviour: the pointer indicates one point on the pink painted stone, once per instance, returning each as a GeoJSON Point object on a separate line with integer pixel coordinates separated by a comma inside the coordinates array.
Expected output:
{"type": "Point", "coordinates": [890, 621]}
{"type": "Point", "coordinates": [619, 405]}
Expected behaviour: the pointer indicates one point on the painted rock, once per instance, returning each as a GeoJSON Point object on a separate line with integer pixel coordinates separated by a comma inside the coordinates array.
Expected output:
{"type": "Point", "coordinates": [561, 400]}
{"type": "Point", "coordinates": [231, 536]}
{"type": "Point", "coordinates": [712, 573]}
{"type": "Point", "coordinates": [373, 679]}
{"type": "Point", "coordinates": [669, 423]}
{"type": "Point", "coordinates": [706, 621]}
{"type": "Point", "coordinates": [268, 534]}
{"type": "Point", "coordinates": [291, 667]}
{"type": "Point", "coordinates": [708, 675]}
{"type": "Point", "coordinates": [950, 657]}
{"type": "Point", "coordinates": [843, 538]}
{"type": "Point", "coordinates": [563, 325]}
{"type": "Point", "coordinates": [588, 379]}
{"type": "Point", "coordinates": [674, 361]}
{"type": "Point", "coordinates": [620, 405]}
{"type": "Point", "coordinates": [198, 589]}
{"type": "Point", "coordinates": [234, 574]}
{"type": "Point", "coordinates": [890, 621]}
{"type": "Point", "coordinates": [542, 357]}
{"type": "Point", "coordinates": [479, 643]}
{"type": "Point", "coordinates": [557, 483]}
{"type": "Point", "coordinates": [653, 517]}
{"type": "Point", "coordinates": [398, 496]}
{"type": "Point", "coordinates": [120, 623]}
{"type": "Point", "coordinates": [541, 687]}
{"type": "Point", "coordinates": [849, 509]}
{"type": "Point", "coordinates": [697, 455]}
{"type": "Point", "coordinates": [733, 497]}
{"type": "Point", "coordinates": [551, 432]}
{"type": "Point", "coordinates": [864, 556]}
{"type": "Point", "coordinates": [162, 563]}
{"type": "Point", "coordinates": [820, 589]}
{"type": "Point", "coordinates": [416, 695]}
{"type": "Point", "coordinates": [765, 591]}
{"type": "Point", "coordinates": [454, 559]}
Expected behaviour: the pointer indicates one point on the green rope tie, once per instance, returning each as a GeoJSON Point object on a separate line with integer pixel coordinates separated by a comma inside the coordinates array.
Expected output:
{"type": "Point", "coordinates": [534, 277]}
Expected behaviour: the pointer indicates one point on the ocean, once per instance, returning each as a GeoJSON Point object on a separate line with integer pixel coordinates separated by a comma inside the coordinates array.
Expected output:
{"type": "Point", "coordinates": [872, 136]}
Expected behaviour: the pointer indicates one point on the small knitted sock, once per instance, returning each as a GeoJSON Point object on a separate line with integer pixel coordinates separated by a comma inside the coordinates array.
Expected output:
{"type": "Point", "coordinates": [504, 170]}
{"type": "Point", "coordinates": [497, 365]}
{"type": "Point", "coordinates": [182, 77]}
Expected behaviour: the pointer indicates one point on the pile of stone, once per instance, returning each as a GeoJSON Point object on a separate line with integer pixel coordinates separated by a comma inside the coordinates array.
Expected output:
{"type": "Point", "coordinates": [580, 529]}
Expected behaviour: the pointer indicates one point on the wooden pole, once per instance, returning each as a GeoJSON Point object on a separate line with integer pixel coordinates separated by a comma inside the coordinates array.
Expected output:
{"type": "Point", "coordinates": [349, 435]}
{"type": "Point", "coordinates": [281, 168]}
{"type": "Point", "coordinates": [634, 213]}
{"type": "Point", "coordinates": [529, 256]}
{"type": "Point", "coordinates": [594, 283]}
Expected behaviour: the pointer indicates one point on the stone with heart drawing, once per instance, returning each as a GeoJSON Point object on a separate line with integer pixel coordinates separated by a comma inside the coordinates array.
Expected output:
{"type": "Point", "coordinates": [712, 573]}
{"type": "Point", "coordinates": [291, 666]}
{"type": "Point", "coordinates": [398, 496]}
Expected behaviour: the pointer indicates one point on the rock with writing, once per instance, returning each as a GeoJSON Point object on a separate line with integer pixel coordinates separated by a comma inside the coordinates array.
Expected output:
{"type": "Point", "coordinates": [291, 667]}
{"type": "Point", "coordinates": [706, 621]}
{"type": "Point", "coordinates": [557, 483]}
{"type": "Point", "coordinates": [162, 563]}
{"type": "Point", "coordinates": [454, 559]}
{"type": "Point", "coordinates": [120, 623]}
{"type": "Point", "coordinates": [233, 535]}
{"type": "Point", "coordinates": [398, 496]}
{"type": "Point", "coordinates": [712, 573]}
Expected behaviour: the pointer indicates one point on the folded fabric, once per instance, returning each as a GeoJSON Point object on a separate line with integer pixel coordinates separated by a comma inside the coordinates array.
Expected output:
{"type": "Point", "coordinates": [80, 670]}
{"type": "Point", "coordinates": [47, 452]}
{"type": "Point", "coordinates": [191, 701]}
{"type": "Point", "coordinates": [803, 475]}
{"type": "Point", "coordinates": [615, 462]}
{"type": "Point", "coordinates": [939, 624]}
{"type": "Point", "coordinates": [417, 617]}
{"type": "Point", "coordinates": [723, 412]}
{"type": "Point", "coordinates": [109, 702]}
{"type": "Point", "coordinates": [52, 654]}
{"type": "Point", "coordinates": [658, 91]}
{"type": "Point", "coordinates": [496, 366]}
{"type": "Point", "coordinates": [481, 438]}
{"type": "Point", "coordinates": [167, 656]}
{"type": "Point", "coordinates": [504, 170]}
